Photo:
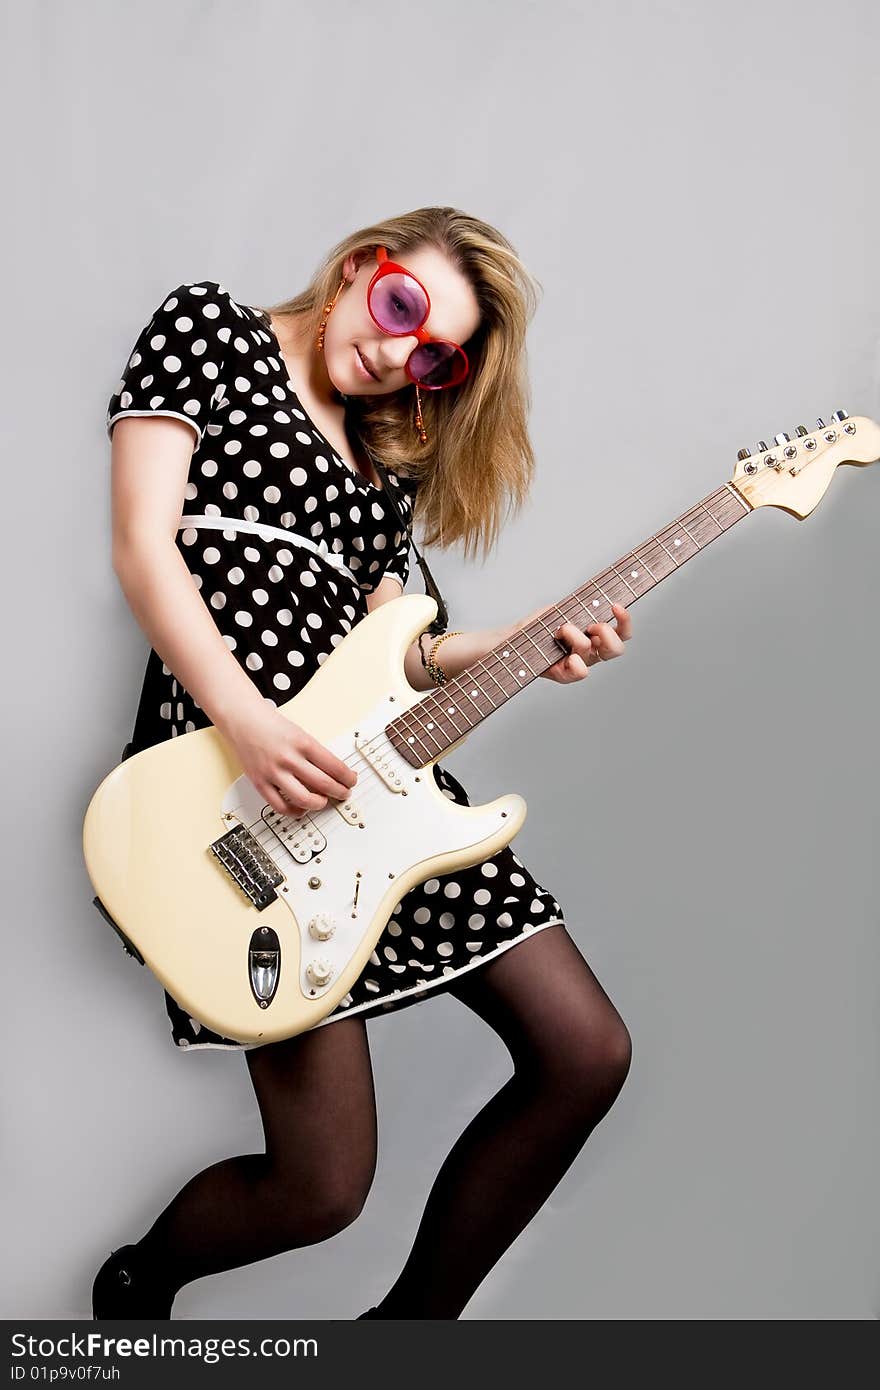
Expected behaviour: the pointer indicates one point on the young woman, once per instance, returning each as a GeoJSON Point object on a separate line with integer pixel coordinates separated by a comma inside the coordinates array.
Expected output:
{"type": "Point", "coordinates": [407, 348]}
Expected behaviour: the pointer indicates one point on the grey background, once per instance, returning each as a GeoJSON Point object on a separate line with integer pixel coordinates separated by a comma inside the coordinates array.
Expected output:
{"type": "Point", "coordinates": [696, 188]}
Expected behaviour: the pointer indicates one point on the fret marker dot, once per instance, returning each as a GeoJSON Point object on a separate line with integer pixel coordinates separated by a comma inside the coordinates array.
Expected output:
{"type": "Point", "coordinates": [410, 739]}
{"type": "Point", "coordinates": [595, 603]}
{"type": "Point", "coordinates": [522, 673]}
{"type": "Point", "coordinates": [676, 541]}
{"type": "Point", "coordinates": [505, 653]}
{"type": "Point", "coordinates": [430, 724]}
{"type": "Point", "coordinates": [633, 574]}
{"type": "Point", "coordinates": [475, 692]}
{"type": "Point", "coordinates": [450, 709]}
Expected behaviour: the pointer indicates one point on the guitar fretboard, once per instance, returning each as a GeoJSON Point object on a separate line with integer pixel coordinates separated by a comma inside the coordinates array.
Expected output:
{"type": "Point", "coordinates": [450, 712]}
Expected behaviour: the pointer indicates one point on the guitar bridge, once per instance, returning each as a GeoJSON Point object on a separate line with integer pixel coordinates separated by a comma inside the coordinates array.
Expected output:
{"type": "Point", "coordinates": [245, 860]}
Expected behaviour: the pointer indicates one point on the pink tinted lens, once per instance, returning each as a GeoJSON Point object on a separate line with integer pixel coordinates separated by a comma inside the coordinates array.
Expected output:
{"type": "Point", "coordinates": [398, 303]}
{"type": "Point", "coordinates": [437, 364]}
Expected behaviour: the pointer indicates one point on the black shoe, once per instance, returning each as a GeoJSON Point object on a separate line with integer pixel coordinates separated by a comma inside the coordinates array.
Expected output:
{"type": "Point", "coordinates": [125, 1288]}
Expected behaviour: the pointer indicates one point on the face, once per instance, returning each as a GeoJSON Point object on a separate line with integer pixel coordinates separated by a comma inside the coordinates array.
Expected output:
{"type": "Point", "coordinates": [454, 315]}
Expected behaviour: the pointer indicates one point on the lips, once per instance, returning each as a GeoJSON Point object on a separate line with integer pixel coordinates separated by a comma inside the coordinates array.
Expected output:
{"type": "Point", "coordinates": [366, 364]}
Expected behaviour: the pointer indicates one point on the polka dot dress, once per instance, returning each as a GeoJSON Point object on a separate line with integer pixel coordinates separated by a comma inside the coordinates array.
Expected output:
{"type": "Point", "coordinates": [217, 365]}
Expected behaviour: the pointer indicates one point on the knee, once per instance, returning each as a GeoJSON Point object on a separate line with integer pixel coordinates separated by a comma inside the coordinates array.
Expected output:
{"type": "Point", "coordinates": [595, 1064]}
{"type": "Point", "coordinates": [320, 1208]}
{"type": "Point", "coordinates": [615, 1054]}
{"type": "Point", "coordinates": [338, 1207]}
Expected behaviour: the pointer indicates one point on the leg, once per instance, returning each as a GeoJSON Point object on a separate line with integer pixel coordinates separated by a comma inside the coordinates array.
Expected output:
{"type": "Point", "coordinates": [317, 1103]}
{"type": "Point", "coordinates": [571, 1053]}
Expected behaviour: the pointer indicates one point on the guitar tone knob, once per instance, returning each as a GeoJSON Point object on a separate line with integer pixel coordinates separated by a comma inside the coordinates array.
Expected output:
{"type": "Point", "coordinates": [322, 927]}
{"type": "Point", "coordinates": [318, 972]}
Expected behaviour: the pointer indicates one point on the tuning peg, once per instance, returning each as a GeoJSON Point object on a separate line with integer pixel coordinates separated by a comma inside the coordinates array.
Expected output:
{"type": "Point", "coordinates": [801, 431]}
{"type": "Point", "coordinates": [840, 415]}
{"type": "Point", "coordinates": [744, 454]}
{"type": "Point", "coordinates": [762, 447]}
{"type": "Point", "coordinates": [820, 424]}
{"type": "Point", "coordinates": [782, 438]}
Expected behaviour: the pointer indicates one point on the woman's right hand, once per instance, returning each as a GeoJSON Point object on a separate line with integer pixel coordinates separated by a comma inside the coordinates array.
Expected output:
{"type": "Point", "coordinates": [289, 767]}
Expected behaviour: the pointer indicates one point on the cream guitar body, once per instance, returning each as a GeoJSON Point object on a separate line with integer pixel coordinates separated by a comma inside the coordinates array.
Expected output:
{"type": "Point", "coordinates": [183, 852]}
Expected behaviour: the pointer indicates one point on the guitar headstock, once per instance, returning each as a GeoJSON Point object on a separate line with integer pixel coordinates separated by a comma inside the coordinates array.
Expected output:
{"type": "Point", "coordinates": [795, 474]}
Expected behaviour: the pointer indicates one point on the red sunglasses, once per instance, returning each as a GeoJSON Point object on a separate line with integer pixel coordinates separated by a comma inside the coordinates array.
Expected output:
{"type": "Point", "coordinates": [399, 304]}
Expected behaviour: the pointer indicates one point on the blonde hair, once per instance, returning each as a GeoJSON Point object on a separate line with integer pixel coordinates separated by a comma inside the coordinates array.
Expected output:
{"type": "Point", "coordinates": [478, 463]}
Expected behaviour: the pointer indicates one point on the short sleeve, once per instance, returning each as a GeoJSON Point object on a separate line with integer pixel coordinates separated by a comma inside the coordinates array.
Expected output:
{"type": "Point", "coordinates": [399, 562]}
{"type": "Point", "coordinates": [176, 363]}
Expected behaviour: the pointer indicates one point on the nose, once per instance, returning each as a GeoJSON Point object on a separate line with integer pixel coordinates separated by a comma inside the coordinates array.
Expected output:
{"type": "Point", "coordinates": [393, 352]}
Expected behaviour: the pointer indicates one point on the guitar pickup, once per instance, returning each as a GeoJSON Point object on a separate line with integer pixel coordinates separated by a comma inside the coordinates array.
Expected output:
{"type": "Point", "coordinates": [383, 759]}
{"type": "Point", "coordinates": [300, 837]}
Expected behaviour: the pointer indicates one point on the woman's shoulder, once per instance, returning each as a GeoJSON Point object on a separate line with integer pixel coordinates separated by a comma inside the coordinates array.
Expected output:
{"type": "Point", "coordinates": [207, 301]}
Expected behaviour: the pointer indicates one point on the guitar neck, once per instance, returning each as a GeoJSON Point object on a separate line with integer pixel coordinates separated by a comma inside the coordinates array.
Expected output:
{"type": "Point", "coordinates": [448, 714]}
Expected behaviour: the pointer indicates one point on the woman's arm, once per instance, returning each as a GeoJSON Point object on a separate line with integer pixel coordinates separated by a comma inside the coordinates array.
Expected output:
{"type": "Point", "coordinates": [458, 652]}
{"type": "Point", "coordinates": [599, 641]}
{"type": "Point", "coordinates": [150, 461]}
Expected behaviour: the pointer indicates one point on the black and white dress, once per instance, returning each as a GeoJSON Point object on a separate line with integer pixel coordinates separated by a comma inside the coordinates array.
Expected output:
{"type": "Point", "coordinates": [216, 364]}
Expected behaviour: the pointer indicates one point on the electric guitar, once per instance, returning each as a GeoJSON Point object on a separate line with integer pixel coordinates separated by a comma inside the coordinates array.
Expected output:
{"type": "Point", "coordinates": [258, 923]}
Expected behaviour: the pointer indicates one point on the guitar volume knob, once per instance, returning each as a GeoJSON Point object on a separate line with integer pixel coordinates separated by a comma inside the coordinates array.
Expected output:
{"type": "Point", "coordinates": [319, 971]}
{"type": "Point", "coordinates": [322, 926]}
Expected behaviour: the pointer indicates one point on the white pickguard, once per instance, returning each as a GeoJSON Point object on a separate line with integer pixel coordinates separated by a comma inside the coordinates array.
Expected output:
{"type": "Point", "coordinates": [351, 851]}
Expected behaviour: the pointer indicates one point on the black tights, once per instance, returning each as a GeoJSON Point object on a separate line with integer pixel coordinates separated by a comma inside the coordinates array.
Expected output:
{"type": "Point", "coordinates": [571, 1054]}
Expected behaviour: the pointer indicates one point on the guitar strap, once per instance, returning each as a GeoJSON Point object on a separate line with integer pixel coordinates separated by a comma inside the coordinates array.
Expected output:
{"type": "Point", "coordinates": [441, 622]}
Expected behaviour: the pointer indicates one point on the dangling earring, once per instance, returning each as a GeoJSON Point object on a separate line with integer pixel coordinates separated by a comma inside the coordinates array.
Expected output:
{"type": "Point", "coordinates": [420, 424]}
{"type": "Point", "coordinates": [328, 309]}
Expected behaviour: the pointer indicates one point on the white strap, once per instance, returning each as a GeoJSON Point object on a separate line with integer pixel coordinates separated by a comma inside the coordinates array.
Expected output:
{"type": "Point", "coordinates": [264, 531]}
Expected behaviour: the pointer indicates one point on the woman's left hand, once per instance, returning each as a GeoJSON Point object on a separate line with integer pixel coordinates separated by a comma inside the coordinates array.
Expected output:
{"type": "Point", "coordinates": [600, 642]}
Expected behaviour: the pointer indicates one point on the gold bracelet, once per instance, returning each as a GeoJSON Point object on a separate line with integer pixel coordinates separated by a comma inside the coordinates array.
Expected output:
{"type": "Point", "coordinates": [435, 671]}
